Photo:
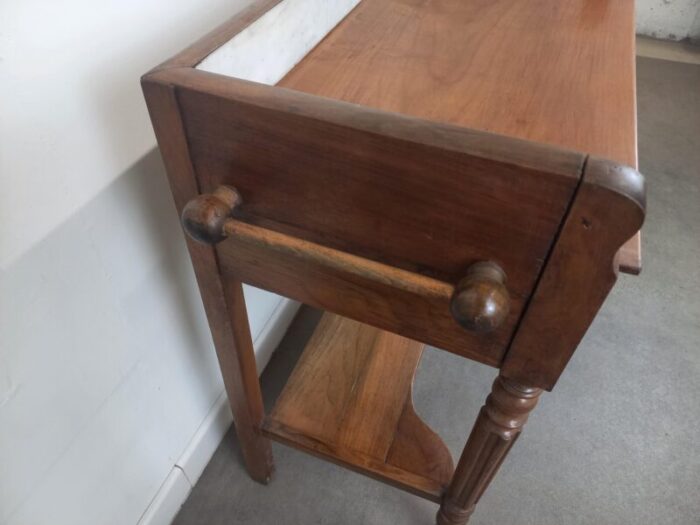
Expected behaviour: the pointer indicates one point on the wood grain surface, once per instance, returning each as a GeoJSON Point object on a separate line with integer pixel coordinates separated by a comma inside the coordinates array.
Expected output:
{"type": "Point", "coordinates": [425, 197]}
{"type": "Point", "coordinates": [560, 73]}
{"type": "Point", "coordinates": [349, 400]}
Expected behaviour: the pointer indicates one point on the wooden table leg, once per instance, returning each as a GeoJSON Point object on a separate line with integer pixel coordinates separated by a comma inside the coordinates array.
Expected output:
{"type": "Point", "coordinates": [222, 298]}
{"type": "Point", "coordinates": [237, 361]}
{"type": "Point", "coordinates": [224, 303]}
{"type": "Point", "coordinates": [497, 427]}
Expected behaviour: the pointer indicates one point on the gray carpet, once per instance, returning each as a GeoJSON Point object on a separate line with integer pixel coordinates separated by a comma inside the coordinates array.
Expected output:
{"type": "Point", "coordinates": [617, 442]}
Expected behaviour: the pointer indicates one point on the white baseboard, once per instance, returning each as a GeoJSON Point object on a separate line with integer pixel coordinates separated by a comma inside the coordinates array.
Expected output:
{"type": "Point", "coordinates": [203, 444]}
{"type": "Point", "coordinates": [190, 465]}
{"type": "Point", "coordinates": [168, 500]}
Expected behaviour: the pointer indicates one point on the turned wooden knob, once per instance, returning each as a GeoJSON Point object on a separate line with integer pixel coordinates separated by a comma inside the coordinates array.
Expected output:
{"type": "Point", "coordinates": [480, 302]}
{"type": "Point", "coordinates": [204, 216]}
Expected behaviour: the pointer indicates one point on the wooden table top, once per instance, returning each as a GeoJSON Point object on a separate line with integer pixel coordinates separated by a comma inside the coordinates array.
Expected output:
{"type": "Point", "coordinates": [557, 72]}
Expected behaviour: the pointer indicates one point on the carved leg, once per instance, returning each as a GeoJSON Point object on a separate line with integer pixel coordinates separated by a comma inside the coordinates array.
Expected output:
{"type": "Point", "coordinates": [496, 429]}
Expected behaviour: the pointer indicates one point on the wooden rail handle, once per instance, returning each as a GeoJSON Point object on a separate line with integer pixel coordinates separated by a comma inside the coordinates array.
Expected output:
{"type": "Point", "coordinates": [479, 302]}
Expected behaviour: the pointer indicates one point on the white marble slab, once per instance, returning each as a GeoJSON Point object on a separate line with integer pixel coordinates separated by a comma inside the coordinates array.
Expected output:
{"type": "Point", "coordinates": [270, 47]}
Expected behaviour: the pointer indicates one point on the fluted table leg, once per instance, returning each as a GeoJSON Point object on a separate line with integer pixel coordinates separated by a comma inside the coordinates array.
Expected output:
{"type": "Point", "coordinates": [499, 423]}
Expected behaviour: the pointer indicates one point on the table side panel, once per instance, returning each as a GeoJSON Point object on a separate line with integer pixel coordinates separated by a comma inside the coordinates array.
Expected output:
{"type": "Point", "coordinates": [354, 187]}
{"type": "Point", "coordinates": [420, 196]}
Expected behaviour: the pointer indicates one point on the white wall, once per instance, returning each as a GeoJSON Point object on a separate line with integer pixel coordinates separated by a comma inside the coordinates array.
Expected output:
{"type": "Point", "coordinates": [669, 19]}
{"type": "Point", "coordinates": [72, 110]}
{"type": "Point", "coordinates": [107, 370]}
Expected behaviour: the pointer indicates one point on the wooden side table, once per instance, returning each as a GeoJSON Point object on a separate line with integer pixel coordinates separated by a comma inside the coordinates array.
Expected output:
{"type": "Point", "coordinates": [448, 172]}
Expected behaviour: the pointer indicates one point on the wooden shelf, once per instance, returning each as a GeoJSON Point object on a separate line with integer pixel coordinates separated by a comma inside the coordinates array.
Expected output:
{"type": "Point", "coordinates": [349, 401]}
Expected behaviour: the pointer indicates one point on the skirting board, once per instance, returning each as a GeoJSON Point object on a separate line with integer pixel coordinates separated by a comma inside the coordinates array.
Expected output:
{"type": "Point", "coordinates": [190, 465]}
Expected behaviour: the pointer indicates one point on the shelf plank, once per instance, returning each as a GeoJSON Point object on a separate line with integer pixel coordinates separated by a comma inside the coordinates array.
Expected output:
{"type": "Point", "coordinates": [559, 73]}
{"type": "Point", "coordinates": [349, 400]}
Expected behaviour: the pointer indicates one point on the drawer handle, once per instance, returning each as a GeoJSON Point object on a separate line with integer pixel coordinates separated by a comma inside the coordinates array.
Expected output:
{"type": "Point", "coordinates": [480, 302]}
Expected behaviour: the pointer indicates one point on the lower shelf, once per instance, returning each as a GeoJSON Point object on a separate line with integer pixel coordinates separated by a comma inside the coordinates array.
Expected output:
{"type": "Point", "coordinates": [349, 401]}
